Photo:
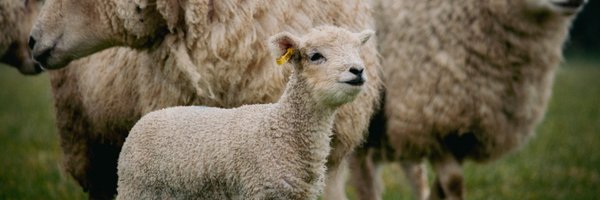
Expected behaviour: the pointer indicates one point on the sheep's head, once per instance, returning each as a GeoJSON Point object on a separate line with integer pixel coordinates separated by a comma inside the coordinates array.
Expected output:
{"type": "Point", "coordinates": [70, 29]}
{"type": "Point", "coordinates": [328, 59]}
{"type": "Point", "coordinates": [538, 9]}
{"type": "Point", "coordinates": [534, 18]}
{"type": "Point", "coordinates": [16, 18]}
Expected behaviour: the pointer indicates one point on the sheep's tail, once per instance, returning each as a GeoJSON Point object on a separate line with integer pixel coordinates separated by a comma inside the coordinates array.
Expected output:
{"type": "Point", "coordinates": [184, 63]}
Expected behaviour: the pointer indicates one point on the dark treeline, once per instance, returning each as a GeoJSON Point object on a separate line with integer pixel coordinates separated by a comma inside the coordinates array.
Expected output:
{"type": "Point", "coordinates": [585, 35]}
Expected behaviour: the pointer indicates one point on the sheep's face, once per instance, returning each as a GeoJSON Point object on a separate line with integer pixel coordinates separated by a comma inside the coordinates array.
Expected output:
{"type": "Point", "coordinates": [328, 59]}
{"type": "Point", "coordinates": [16, 18]}
{"type": "Point", "coordinates": [562, 7]}
{"type": "Point", "coordinates": [71, 29]}
{"type": "Point", "coordinates": [67, 30]}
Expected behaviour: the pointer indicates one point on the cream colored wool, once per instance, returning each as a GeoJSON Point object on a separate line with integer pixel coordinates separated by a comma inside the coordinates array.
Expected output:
{"type": "Point", "coordinates": [99, 98]}
{"type": "Point", "coordinates": [16, 20]}
{"type": "Point", "coordinates": [465, 80]}
{"type": "Point", "coordinates": [262, 151]}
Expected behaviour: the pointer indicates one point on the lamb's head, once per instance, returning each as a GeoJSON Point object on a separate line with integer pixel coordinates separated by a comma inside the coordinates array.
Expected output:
{"type": "Point", "coordinates": [70, 29]}
{"type": "Point", "coordinates": [16, 19]}
{"type": "Point", "coordinates": [327, 59]}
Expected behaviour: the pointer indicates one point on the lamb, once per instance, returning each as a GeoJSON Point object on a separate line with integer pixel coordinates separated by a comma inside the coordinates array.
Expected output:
{"type": "Point", "coordinates": [208, 53]}
{"type": "Point", "coordinates": [16, 20]}
{"type": "Point", "coordinates": [261, 151]}
{"type": "Point", "coordinates": [465, 80]}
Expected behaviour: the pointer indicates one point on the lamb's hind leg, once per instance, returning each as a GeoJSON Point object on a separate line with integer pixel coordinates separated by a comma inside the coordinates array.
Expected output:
{"type": "Point", "coordinates": [364, 175]}
{"type": "Point", "coordinates": [416, 173]}
{"type": "Point", "coordinates": [449, 181]}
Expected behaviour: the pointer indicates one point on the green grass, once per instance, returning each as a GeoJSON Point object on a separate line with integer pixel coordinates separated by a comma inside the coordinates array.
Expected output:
{"type": "Point", "coordinates": [561, 162]}
{"type": "Point", "coordinates": [30, 166]}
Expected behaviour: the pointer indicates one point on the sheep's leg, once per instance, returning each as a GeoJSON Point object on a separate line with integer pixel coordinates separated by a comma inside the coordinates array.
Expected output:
{"type": "Point", "coordinates": [75, 159]}
{"type": "Point", "coordinates": [449, 180]}
{"type": "Point", "coordinates": [92, 165]}
{"type": "Point", "coordinates": [103, 170]}
{"type": "Point", "coordinates": [365, 176]}
{"type": "Point", "coordinates": [416, 173]}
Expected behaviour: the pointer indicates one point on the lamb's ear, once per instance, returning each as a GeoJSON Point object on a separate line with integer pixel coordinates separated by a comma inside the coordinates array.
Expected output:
{"type": "Point", "coordinates": [281, 42]}
{"type": "Point", "coordinates": [171, 11]}
{"type": "Point", "coordinates": [365, 35]}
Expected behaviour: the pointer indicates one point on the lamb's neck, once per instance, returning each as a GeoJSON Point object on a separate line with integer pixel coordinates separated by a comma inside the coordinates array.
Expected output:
{"type": "Point", "coordinates": [303, 127]}
{"type": "Point", "coordinates": [302, 124]}
{"type": "Point", "coordinates": [303, 115]}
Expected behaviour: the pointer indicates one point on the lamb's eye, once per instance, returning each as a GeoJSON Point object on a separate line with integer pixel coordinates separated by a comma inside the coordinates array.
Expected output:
{"type": "Point", "coordinates": [316, 57]}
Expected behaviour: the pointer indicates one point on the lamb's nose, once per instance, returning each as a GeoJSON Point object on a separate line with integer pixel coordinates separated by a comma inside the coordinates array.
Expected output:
{"type": "Point", "coordinates": [31, 43]}
{"type": "Point", "coordinates": [356, 70]}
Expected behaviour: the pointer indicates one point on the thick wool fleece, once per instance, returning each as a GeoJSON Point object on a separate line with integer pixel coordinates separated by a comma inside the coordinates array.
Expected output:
{"type": "Point", "coordinates": [464, 79]}
{"type": "Point", "coordinates": [99, 98]}
{"type": "Point", "coordinates": [472, 78]}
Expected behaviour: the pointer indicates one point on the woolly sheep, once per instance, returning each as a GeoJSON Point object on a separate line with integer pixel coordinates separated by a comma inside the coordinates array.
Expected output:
{"type": "Point", "coordinates": [212, 55]}
{"type": "Point", "coordinates": [261, 151]}
{"type": "Point", "coordinates": [16, 19]}
{"type": "Point", "coordinates": [466, 80]}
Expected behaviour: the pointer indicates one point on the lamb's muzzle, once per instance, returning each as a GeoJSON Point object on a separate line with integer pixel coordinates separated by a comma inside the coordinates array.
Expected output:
{"type": "Point", "coordinates": [359, 79]}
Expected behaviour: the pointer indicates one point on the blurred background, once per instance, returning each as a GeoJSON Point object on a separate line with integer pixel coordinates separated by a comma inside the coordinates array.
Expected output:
{"type": "Point", "coordinates": [561, 162]}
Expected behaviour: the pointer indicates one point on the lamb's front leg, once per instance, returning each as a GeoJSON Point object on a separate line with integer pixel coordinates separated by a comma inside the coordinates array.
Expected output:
{"type": "Point", "coordinates": [449, 181]}
{"type": "Point", "coordinates": [416, 173]}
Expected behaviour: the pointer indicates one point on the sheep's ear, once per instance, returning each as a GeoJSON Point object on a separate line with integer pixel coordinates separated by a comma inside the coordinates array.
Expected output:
{"type": "Point", "coordinates": [140, 17]}
{"type": "Point", "coordinates": [171, 11]}
{"type": "Point", "coordinates": [365, 35]}
{"type": "Point", "coordinates": [281, 42]}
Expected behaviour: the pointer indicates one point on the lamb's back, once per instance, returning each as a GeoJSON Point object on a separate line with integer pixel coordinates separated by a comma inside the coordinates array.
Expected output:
{"type": "Point", "coordinates": [191, 148]}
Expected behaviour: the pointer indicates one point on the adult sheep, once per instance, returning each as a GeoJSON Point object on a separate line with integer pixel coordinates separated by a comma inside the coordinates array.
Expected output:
{"type": "Point", "coordinates": [16, 19]}
{"type": "Point", "coordinates": [466, 80]}
{"type": "Point", "coordinates": [192, 53]}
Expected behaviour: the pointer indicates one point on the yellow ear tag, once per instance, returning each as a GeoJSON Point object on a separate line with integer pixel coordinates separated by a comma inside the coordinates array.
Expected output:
{"type": "Point", "coordinates": [285, 57]}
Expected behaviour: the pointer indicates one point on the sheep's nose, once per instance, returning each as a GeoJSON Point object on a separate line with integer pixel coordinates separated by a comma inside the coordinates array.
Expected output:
{"type": "Point", "coordinates": [356, 70]}
{"type": "Point", "coordinates": [31, 43]}
{"type": "Point", "coordinates": [42, 57]}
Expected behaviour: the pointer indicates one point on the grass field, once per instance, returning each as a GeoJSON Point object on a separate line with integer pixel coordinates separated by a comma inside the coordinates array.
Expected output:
{"type": "Point", "coordinates": [561, 162]}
